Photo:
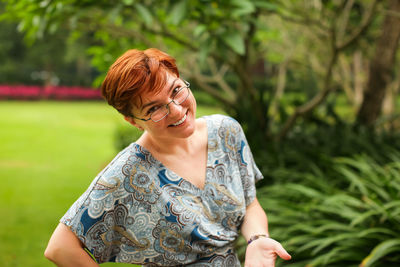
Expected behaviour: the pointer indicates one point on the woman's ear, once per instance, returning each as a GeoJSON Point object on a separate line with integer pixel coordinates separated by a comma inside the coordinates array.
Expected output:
{"type": "Point", "coordinates": [133, 123]}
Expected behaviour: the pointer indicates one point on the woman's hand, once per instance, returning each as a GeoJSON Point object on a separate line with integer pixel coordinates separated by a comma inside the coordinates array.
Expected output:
{"type": "Point", "coordinates": [263, 253]}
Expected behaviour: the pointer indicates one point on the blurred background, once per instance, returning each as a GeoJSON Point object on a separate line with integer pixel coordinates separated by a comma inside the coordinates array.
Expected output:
{"type": "Point", "coordinates": [315, 85]}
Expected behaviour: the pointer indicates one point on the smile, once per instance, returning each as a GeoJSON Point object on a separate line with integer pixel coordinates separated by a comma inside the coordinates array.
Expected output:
{"type": "Point", "coordinates": [180, 121]}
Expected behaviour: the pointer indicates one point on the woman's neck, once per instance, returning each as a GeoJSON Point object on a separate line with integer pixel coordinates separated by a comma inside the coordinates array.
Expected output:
{"type": "Point", "coordinates": [174, 145]}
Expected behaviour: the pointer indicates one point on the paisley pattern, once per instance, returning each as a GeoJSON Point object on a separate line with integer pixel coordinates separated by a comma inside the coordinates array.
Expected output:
{"type": "Point", "coordinates": [138, 211]}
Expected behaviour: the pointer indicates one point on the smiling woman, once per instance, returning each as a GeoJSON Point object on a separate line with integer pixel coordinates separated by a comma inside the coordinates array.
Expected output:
{"type": "Point", "coordinates": [177, 196]}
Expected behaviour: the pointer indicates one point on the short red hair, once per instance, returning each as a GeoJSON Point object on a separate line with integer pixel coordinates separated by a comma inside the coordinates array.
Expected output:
{"type": "Point", "coordinates": [134, 73]}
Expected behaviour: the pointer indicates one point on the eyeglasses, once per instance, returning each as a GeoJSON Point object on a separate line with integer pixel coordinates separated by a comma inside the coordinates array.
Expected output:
{"type": "Point", "coordinates": [160, 112]}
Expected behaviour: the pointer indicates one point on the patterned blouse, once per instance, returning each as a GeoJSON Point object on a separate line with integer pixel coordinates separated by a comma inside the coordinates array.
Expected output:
{"type": "Point", "coordinates": [138, 211]}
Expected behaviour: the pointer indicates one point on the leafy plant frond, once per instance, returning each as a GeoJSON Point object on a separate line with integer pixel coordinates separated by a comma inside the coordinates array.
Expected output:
{"type": "Point", "coordinates": [345, 216]}
{"type": "Point", "coordinates": [381, 250]}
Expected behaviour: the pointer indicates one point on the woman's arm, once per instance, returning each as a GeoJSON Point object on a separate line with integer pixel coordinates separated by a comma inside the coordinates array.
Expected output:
{"type": "Point", "coordinates": [262, 251]}
{"type": "Point", "coordinates": [65, 249]}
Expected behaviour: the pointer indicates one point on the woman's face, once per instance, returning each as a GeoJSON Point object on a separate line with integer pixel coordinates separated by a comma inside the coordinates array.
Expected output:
{"type": "Point", "coordinates": [179, 123]}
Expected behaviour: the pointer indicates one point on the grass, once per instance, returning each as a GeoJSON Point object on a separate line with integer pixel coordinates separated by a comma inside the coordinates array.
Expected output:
{"type": "Point", "coordinates": [49, 153]}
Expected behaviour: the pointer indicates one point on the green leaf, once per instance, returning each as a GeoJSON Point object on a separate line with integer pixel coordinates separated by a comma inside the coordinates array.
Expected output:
{"type": "Point", "coordinates": [304, 190]}
{"type": "Point", "coordinates": [177, 13]}
{"type": "Point", "coordinates": [363, 217]}
{"type": "Point", "coordinates": [36, 21]}
{"type": "Point", "coordinates": [380, 251]}
{"type": "Point", "coordinates": [381, 232]}
{"type": "Point", "coordinates": [335, 255]}
{"type": "Point", "coordinates": [128, 2]}
{"type": "Point", "coordinates": [53, 28]}
{"type": "Point", "coordinates": [199, 30]}
{"type": "Point", "coordinates": [243, 7]}
{"type": "Point", "coordinates": [353, 178]}
{"type": "Point", "coordinates": [325, 242]}
{"type": "Point", "coordinates": [266, 5]}
{"type": "Point", "coordinates": [21, 26]}
{"type": "Point", "coordinates": [331, 227]}
{"type": "Point", "coordinates": [205, 49]}
{"type": "Point", "coordinates": [44, 3]}
{"type": "Point", "coordinates": [234, 41]}
{"type": "Point", "coordinates": [145, 14]}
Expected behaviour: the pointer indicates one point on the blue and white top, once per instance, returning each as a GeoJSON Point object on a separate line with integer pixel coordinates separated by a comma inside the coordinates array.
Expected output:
{"type": "Point", "coordinates": [138, 211]}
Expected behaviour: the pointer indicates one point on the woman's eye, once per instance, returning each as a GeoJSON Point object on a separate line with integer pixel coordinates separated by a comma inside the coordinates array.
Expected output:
{"type": "Point", "coordinates": [176, 90]}
{"type": "Point", "coordinates": [152, 109]}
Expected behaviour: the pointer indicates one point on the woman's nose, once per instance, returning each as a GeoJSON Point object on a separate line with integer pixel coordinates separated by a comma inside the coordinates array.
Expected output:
{"type": "Point", "coordinates": [175, 109]}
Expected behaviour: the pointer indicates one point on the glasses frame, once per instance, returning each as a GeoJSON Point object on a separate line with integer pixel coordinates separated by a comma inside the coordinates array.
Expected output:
{"type": "Point", "coordinates": [187, 87]}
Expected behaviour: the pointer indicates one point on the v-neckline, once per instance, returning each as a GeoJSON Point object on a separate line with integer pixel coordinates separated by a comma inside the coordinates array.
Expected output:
{"type": "Point", "coordinates": [208, 163]}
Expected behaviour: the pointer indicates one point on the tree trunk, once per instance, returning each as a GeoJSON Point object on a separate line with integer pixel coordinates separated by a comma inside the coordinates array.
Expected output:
{"type": "Point", "coordinates": [381, 66]}
{"type": "Point", "coordinates": [360, 68]}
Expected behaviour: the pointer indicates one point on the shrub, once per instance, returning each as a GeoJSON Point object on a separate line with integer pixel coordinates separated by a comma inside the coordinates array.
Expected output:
{"type": "Point", "coordinates": [21, 92]}
{"type": "Point", "coordinates": [29, 92]}
{"type": "Point", "coordinates": [349, 216]}
{"type": "Point", "coordinates": [124, 135]}
{"type": "Point", "coordinates": [312, 146]}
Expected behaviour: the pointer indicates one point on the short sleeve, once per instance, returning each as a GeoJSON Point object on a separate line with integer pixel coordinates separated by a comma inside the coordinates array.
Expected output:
{"type": "Point", "coordinates": [95, 216]}
{"type": "Point", "coordinates": [234, 142]}
{"type": "Point", "coordinates": [249, 172]}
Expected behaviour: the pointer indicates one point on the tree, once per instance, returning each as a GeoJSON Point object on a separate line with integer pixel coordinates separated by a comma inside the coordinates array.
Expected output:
{"type": "Point", "coordinates": [381, 67]}
{"type": "Point", "coordinates": [49, 60]}
{"type": "Point", "coordinates": [232, 49]}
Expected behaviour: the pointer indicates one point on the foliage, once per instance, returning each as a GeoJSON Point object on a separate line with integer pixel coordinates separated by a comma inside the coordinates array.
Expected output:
{"type": "Point", "coordinates": [272, 65]}
{"type": "Point", "coordinates": [42, 63]}
{"type": "Point", "coordinates": [239, 52]}
{"type": "Point", "coordinates": [124, 135]}
{"type": "Point", "coordinates": [314, 142]}
{"type": "Point", "coordinates": [51, 60]}
{"type": "Point", "coordinates": [320, 157]}
{"type": "Point", "coordinates": [346, 216]}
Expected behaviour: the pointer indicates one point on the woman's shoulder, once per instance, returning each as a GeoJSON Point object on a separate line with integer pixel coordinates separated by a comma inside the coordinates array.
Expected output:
{"type": "Point", "coordinates": [124, 156]}
{"type": "Point", "coordinates": [223, 123]}
{"type": "Point", "coordinates": [221, 120]}
{"type": "Point", "coordinates": [109, 185]}
{"type": "Point", "coordinates": [216, 117]}
{"type": "Point", "coordinates": [222, 128]}
{"type": "Point", "coordinates": [125, 160]}
{"type": "Point", "coordinates": [120, 167]}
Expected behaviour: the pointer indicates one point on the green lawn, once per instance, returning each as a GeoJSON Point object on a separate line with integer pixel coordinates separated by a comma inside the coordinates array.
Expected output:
{"type": "Point", "coordinates": [49, 153]}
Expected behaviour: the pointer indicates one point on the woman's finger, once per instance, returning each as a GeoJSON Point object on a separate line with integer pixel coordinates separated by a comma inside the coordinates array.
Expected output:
{"type": "Point", "coordinates": [282, 252]}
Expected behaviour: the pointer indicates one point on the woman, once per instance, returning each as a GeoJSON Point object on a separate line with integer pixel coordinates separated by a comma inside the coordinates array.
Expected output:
{"type": "Point", "coordinates": [179, 195]}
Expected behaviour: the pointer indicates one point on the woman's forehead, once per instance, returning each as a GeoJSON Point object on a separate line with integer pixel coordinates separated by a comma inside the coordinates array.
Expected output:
{"type": "Point", "coordinates": [152, 93]}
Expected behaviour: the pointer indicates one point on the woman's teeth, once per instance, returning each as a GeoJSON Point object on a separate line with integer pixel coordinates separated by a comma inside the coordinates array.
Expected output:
{"type": "Point", "coordinates": [180, 121]}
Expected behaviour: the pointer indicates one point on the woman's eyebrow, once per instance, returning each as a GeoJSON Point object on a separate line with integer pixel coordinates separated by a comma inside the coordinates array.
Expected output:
{"type": "Point", "coordinates": [173, 84]}
{"type": "Point", "coordinates": [156, 101]}
{"type": "Point", "coordinates": [148, 104]}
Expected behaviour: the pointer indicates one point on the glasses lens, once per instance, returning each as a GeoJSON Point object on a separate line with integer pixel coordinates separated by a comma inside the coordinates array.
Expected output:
{"type": "Point", "coordinates": [181, 95]}
{"type": "Point", "coordinates": [159, 114]}
{"type": "Point", "coordinates": [162, 112]}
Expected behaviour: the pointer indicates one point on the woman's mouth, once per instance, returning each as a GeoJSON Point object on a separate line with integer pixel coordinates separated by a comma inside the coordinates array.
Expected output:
{"type": "Point", "coordinates": [180, 121]}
